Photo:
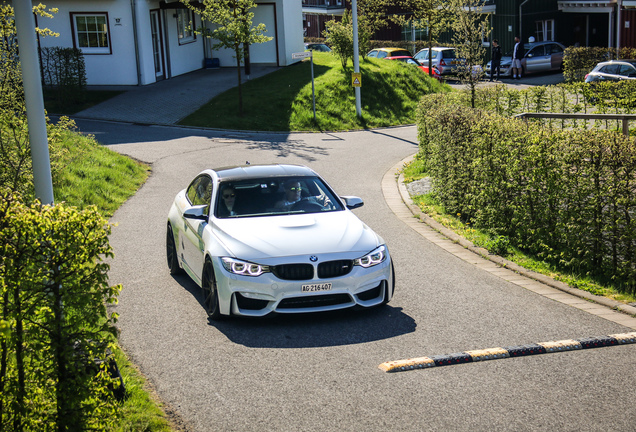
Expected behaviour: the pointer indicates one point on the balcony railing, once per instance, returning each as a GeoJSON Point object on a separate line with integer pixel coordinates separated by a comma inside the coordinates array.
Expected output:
{"type": "Point", "coordinates": [324, 4]}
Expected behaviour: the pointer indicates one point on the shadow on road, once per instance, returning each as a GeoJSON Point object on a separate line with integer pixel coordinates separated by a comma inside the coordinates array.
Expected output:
{"type": "Point", "coordinates": [312, 330]}
{"type": "Point", "coordinates": [345, 327]}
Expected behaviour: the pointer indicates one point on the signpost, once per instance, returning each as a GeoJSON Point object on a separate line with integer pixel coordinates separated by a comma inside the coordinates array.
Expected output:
{"type": "Point", "coordinates": [356, 79]}
{"type": "Point", "coordinates": [303, 55]}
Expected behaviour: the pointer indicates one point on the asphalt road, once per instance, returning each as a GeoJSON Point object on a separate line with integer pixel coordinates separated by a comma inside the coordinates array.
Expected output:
{"type": "Point", "coordinates": [320, 372]}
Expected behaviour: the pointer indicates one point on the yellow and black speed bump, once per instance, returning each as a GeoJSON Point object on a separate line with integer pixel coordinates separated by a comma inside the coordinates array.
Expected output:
{"type": "Point", "coordinates": [506, 352]}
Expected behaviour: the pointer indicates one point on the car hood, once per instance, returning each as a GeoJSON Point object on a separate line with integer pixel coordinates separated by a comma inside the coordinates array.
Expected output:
{"type": "Point", "coordinates": [259, 238]}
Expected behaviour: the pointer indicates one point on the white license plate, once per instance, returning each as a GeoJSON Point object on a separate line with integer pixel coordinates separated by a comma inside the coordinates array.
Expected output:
{"type": "Point", "coordinates": [316, 287]}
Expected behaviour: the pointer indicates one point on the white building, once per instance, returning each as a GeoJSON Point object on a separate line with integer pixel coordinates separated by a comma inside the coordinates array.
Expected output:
{"type": "Point", "coordinates": [138, 42]}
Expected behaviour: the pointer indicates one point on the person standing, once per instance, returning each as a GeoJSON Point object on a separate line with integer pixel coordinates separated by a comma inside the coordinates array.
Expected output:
{"type": "Point", "coordinates": [517, 55]}
{"type": "Point", "coordinates": [495, 59]}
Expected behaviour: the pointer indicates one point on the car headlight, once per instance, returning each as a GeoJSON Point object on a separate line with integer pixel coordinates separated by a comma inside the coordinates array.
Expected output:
{"type": "Point", "coordinates": [243, 268]}
{"type": "Point", "coordinates": [372, 258]}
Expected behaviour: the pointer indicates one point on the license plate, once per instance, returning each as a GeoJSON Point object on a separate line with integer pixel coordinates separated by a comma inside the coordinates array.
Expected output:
{"type": "Point", "coordinates": [316, 287]}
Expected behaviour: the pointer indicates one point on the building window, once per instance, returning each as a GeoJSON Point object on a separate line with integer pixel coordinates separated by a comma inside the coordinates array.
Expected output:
{"type": "Point", "coordinates": [184, 26]}
{"type": "Point", "coordinates": [90, 32]}
{"type": "Point", "coordinates": [414, 31]}
{"type": "Point", "coordinates": [544, 30]}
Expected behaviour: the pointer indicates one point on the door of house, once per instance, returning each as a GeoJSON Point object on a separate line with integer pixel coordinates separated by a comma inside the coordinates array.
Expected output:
{"type": "Point", "coordinates": [157, 44]}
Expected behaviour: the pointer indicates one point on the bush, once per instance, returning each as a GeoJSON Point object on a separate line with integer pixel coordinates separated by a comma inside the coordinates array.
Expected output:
{"type": "Point", "coordinates": [578, 61]}
{"type": "Point", "coordinates": [56, 331]}
{"type": "Point", "coordinates": [568, 196]}
{"type": "Point", "coordinates": [64, 70]}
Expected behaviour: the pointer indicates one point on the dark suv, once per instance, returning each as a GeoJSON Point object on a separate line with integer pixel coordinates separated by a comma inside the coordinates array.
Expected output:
{"type": "Point", "coordinates": [613, 70]}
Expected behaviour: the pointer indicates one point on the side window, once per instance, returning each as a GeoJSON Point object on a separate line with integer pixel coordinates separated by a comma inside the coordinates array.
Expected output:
{"type": "Point", "coordinates": [372, 53]}
{"type": "Point", "coordinates": [626, 70]}
{"type": "Point", "coordinates": [200, 191]}
{"type": "Point", "coordinates": [381, 54]}
{"type": "Point", "coordinates": [536, 51]}
{"type": "Point", "coordinates": [555, 49]}
{"type": "Point", "coordinates": [610, 69]}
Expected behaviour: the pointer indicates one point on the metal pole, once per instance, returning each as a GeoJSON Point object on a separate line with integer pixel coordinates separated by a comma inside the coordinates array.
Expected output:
{"type": "Point", "coordinates": [25, 26]}
{"type": "Point", "coordinates": [313, 89]}
{"type": "Point", "coordinates": [356, 55]}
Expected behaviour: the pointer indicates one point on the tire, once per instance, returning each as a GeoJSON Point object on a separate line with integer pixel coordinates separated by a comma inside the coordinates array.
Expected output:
{"type": "Point", "coordinates": [386, 294]}
{"type": "Point", "coordinates": [171, 253]}
{"type": "Point", "coordinates": [210, 293]}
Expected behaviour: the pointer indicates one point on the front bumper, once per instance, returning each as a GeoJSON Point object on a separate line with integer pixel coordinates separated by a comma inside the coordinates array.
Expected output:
{"type": "Point", "coordinates": [265, 294]}
{"type": "Point", "coordinates": [504, 71]}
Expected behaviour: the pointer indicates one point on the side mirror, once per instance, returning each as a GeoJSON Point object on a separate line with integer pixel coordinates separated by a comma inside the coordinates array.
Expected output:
{"type": "Point", "coordinates": [352, 202]}
{"type": "Point", "coordinates": [199, 212]}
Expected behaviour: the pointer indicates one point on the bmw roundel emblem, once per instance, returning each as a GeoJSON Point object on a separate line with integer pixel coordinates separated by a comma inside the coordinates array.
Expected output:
{"type": "Point", "coordinates": [313, 258]}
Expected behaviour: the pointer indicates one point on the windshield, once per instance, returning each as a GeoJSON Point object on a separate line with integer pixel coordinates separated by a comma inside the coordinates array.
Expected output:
{"type": "Point", "coordinates": [274, 196]}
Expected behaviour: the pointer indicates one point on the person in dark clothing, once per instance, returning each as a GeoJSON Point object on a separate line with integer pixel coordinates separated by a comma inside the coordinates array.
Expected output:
{"type": "Point", "coordinates": [495, 62]}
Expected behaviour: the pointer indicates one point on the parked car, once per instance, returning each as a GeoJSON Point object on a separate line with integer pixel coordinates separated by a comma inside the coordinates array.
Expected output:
{"type": "Point", "coordinates": [317, 47]}
{"type": "Point", "coordinates": [259, 239]}
{"type": "Point", "coordinates": [613, 70]}
{"type": "Point", "coordinates": [410, 60]}
{"type": "Point", "coordinates": [543, 56]}
{"type": "Point", "coordinates": [444, 60]}
{"type": "Point", "coordinates": [388, 52]}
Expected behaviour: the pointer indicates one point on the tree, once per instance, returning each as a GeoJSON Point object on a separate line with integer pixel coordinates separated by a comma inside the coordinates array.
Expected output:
{"type": "Point", "coordinates": [339, 36]}
{"type": "Point", "coordinates": [470, 26]}
{"type": "Point", "coordinates": [434, 14]}
{"type": "Point", "coordinates": [373, 15]}
{"type": "Point", "coordinates": [233, 29]}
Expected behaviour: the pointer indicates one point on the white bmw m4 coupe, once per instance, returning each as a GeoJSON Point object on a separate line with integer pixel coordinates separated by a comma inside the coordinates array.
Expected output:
{"type": "Point", "coordinates": [260, 239]}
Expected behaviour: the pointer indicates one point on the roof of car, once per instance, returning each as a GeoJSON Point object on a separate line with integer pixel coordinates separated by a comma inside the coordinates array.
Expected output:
{"type": "Point", "coordinates": [630, 61]}
{"type": "Point", "coordinates": [257, 171]}
{"type": "Point", "coordinates": [390, 49]}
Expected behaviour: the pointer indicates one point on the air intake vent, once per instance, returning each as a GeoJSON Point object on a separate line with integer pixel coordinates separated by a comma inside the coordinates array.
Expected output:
{"type": "Point", "coordinates": [294, 271]}
{"type": "Point", "coordinates": [331, 269]}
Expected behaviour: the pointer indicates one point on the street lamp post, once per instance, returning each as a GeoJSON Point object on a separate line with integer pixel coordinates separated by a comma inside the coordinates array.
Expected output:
{"type": "Point", "coordinates": [25, 27]}
{"type": "Point", "coordinates": [356, 55]}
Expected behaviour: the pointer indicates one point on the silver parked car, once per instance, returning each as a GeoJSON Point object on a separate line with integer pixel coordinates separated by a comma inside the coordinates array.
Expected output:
{"type": "Point", "coordinates": [613, 70]}
{"type": "Point", "coordinates": [543, 56]}
{"type": "Point", "coordinates": [444, 60]}
{"type": "Point", "coordinates": [275, 238]}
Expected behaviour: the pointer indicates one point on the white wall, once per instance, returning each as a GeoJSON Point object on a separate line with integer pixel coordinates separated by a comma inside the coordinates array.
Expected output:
{"type": "Point", "coordinates": [117, 68]}
{"type": "Point", "coordinates": [288, 34]}
{"type": "Point", "coordinates": [290, 39]}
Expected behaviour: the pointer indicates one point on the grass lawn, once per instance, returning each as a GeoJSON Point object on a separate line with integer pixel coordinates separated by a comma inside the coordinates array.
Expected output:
{"type": "Point", "coordinates": [282, 101]}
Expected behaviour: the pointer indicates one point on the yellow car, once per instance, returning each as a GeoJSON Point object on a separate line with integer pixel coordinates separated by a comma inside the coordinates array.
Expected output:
{"type": "Point", "coordinates": [388, 52]}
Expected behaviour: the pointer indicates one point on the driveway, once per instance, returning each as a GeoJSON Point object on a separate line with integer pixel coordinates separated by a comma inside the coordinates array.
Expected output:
{"type": "Point", "coordinates": [320, 372]}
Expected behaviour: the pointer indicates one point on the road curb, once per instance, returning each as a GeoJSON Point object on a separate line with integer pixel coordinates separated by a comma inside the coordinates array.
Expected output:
{"type": "Point", "coordinates": [508, 352]}
{"type": "Point", "coordinates": [502, 262]}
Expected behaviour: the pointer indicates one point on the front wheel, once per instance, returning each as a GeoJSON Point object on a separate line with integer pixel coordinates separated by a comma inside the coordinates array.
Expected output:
{"type": "Point", "coordinates": [171, 253]}
{"type": "Point", "coordinates": [386, 293]}
{"type": "Point", "coordinates": [210, 292]}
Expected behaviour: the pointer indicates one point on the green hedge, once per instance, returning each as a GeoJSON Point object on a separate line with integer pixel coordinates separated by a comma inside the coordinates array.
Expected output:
{"type": "Point", "coordinates": [568, 196]}
{"type": "Point", "coordinates": [64, 69]}
{"type": "Point", "coordinates": [412, 46]}
{"type": "Point", "coordinates": [55, 330]}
